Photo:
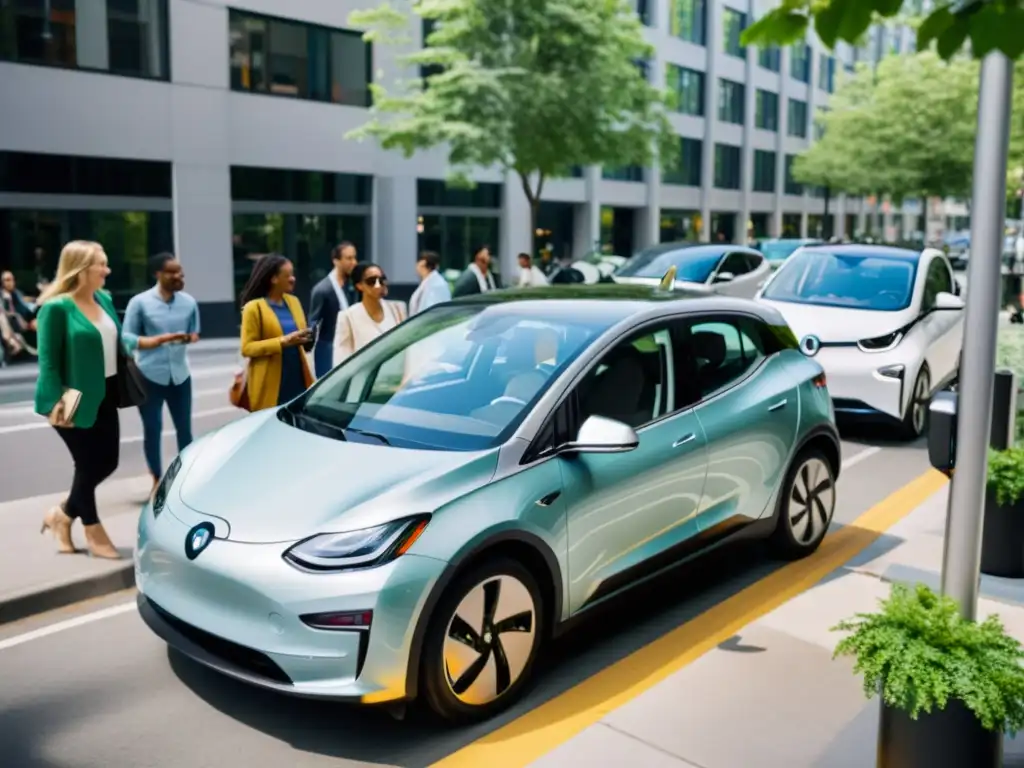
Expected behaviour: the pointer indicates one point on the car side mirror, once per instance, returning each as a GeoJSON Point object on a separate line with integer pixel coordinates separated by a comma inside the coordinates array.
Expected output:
{"type": "Point", "coordinates": [601, 435]}
{"type": "Point", "coordinates": [724, 277]}
{"type": "Point", "coordinates": [948, 301]}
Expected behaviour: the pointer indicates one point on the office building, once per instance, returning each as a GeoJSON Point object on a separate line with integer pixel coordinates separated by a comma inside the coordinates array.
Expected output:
{"type": "Point", "coordinates": [216, 129]}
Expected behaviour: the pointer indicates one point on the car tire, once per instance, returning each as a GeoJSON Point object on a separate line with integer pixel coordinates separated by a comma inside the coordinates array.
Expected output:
{"type": "Point", "coordinates": [915, 420]}
{"type": "Point", "coordinates": [472, 667]}
{"type": "Point", "coordinates": [805, 506]}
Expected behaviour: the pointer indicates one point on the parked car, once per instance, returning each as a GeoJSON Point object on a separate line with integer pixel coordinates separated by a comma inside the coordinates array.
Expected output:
{"type": "Point", "coordinates": [886, 324]}
{"type": "Point", "coordinates": [430, 513]}
{"type": "Point", "coordinates": [732, 270]}
{"type": "Point", "coordinates": [777, 250]}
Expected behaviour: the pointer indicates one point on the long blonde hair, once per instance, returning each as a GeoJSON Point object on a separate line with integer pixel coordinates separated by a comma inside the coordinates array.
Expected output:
{"type": "Point", "coordinates": [75, 257]}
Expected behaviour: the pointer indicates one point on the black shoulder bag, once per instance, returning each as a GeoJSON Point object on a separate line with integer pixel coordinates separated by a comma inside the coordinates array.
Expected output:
{"type": "Point", "coordinates": [131, 384]}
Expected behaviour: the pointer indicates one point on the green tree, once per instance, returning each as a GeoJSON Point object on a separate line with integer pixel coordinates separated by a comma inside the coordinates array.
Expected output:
{"type": "Point", "coordinates": [533, 87]}
{"type": "Point", "coordinates": [988, 25]}
{"type": "Point", "coordinates": [891, 131]}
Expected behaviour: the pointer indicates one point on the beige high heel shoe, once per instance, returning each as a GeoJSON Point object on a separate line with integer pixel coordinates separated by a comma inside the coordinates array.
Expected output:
{"type": "Point", "coordinates": [59, 524]}
{"type": "Point", "coordinates": [99, 543]}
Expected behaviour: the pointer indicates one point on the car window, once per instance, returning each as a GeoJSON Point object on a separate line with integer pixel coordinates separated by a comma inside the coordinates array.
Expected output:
{"type": "Point", "coordinates": [722, 351]}
{"type": "Point", "coordinates": [736, 263]}
{"type": "Point", "coordinates": [937, 280]}
{"type": "Point", "coordinates": [753, 262]}
{"type": "Point", "coordinates": [692, 265]}
{"type": "Point", "coordinates": [634, 382]}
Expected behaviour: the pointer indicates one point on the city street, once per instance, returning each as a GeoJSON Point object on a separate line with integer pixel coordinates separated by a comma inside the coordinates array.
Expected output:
{"type": "Point", "coordinates": [91, 686]}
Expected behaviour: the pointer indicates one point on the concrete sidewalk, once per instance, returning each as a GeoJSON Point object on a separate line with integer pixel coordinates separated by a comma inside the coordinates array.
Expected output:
{"type": "Point", "coordinates": [35, 578]}
{"type": "Point", "coordinates": [771, 696]}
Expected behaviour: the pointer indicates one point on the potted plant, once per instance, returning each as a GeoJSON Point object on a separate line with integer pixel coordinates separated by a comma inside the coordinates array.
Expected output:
{"type": "Point", "coordinates": [950, 688]}
{"type": "Point", "coordinates": [1002, 543]}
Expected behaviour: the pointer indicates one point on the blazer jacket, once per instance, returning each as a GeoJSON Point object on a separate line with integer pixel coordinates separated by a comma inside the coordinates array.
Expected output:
{"type": "Point", "coordinates": [261, 344]}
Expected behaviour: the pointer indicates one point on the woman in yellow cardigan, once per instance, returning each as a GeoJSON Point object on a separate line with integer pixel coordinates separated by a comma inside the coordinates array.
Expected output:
{"type": "Point", "coordinates": [273, 333]}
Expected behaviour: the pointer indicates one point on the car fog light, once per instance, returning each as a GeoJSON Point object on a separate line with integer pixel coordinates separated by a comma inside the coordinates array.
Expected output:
{"type": "Point", "coordinates": [892, 371]}
{"type": "Point", "coordinates": [340, 620]}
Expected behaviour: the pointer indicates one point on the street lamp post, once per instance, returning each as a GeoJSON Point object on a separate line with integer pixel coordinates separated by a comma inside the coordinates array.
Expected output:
{"type": "Point", "coordinates": [962, 556]}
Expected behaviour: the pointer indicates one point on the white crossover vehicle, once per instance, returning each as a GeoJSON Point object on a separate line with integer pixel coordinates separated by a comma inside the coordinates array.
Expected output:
{"type": "Point", "coordinates": [886, 324]}
{"type": "Point", "coordinates": [731, 270]}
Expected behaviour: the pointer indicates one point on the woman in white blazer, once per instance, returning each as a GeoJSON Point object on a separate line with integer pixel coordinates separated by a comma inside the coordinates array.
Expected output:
{"type": "Point", "coordinates": [372, 317]}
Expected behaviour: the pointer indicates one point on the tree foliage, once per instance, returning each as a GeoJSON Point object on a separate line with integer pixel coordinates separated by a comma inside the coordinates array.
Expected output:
{"type": "Point", "coordinates": [983, 25]}
{"type": "Point", "coordinates": [533, 87]}
{"type": "Point", "coordinates": [892, 131]}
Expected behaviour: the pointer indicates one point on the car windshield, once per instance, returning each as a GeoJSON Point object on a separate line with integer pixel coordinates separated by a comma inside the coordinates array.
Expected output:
{"type": "Point", "coordinates": [691, 266]}
{"type": "Point", "coordinates": [779, 250]}
{"type": "Point", "coordinates": [456, 377]}
{"type": "Point", "coordinates": [874, 281]}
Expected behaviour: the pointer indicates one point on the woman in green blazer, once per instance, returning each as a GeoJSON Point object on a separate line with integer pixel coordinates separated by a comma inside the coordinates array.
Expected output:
{"type": "Point", "coordinates": [80, 339]}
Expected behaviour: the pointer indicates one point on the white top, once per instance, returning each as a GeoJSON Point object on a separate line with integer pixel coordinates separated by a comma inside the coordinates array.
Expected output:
{"type": "Point", "coordinates": [108, 331]}
{"type": "Point", "coordinates": [338, 290]}
{"type": "Point", "coordinates": [356, 328]}
{"type": "Point", "coordinates": [531, 277]}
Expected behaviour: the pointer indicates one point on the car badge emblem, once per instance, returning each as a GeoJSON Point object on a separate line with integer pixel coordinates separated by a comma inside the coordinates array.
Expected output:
{"type": "Point", "coordinates": [198, 539]}
{"type": "Point", "coordinates": [810, 345]}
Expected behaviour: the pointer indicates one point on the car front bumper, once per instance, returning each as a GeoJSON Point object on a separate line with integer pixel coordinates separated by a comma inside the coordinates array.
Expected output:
{"type": "Point", "coordinates": [236, 608]}
{"type": "Point", "coordinates": [858, 385]}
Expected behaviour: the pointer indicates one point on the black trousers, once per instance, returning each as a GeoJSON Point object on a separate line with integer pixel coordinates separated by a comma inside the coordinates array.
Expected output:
{"type": "Point", "coordinates": [95, 451]}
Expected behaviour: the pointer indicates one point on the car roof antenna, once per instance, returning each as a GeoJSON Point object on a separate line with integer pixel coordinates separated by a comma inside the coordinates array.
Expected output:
{"type": "Point", "coordinates": [668, 281]}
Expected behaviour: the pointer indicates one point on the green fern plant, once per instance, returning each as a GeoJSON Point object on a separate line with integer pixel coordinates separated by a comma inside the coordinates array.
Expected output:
{"type": "Point", "coordinates": [1006, 475]}
{"type": "Point", "coordinates": [919, 653]}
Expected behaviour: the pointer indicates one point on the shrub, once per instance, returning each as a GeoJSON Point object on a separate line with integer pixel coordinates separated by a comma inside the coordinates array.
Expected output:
{"type": "Point", "coordinates": [1006, 474]}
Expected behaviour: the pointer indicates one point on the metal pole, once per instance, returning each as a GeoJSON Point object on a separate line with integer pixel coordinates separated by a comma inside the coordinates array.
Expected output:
{"type": "Point", "coordinates": [962, 558]}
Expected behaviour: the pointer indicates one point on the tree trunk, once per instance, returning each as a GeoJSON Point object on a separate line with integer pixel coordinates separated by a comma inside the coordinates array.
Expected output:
{"type": "Point", "coordinates": [826, 228]}
{"type": "Point", "coordinates": [533, 198]}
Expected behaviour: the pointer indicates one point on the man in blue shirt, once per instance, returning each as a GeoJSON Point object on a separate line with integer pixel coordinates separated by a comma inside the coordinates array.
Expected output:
{"type": "Point", "coordinates": [164, 311]}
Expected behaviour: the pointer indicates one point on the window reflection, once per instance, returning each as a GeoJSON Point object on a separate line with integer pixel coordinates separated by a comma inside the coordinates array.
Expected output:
{"type": "Point", "coordinates": [455, 237]}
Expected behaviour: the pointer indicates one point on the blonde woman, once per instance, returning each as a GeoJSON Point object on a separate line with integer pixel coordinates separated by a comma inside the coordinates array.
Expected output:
{"type": "Point", "coordinates": [80, 339]}
{"type": "Point", "coordinates": [373, 316]}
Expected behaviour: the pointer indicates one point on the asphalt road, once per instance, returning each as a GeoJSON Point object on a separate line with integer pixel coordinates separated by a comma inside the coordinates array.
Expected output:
{"type": "Point", "coordinates": [34, 461]}
{"type": "Point", "coordinates": [82, 689]}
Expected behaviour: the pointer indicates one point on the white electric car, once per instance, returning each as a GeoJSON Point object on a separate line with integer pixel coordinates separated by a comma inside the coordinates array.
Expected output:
{"type": "Point", "coordinates": [886, 324]}
{"type": "Point", "coordinates": [731, 270]}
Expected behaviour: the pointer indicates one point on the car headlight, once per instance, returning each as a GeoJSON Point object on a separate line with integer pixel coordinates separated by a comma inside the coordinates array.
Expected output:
{"type": "Point", "coordinates": [164, 487]}
{"type": "Point", "coordinates": [357, 549]}
{"type": "Point", "coordinates": [881, 343]}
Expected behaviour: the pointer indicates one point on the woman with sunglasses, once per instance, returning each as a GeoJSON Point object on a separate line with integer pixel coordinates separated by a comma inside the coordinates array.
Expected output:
{"type": "Point", "coordinates": [373, 316]}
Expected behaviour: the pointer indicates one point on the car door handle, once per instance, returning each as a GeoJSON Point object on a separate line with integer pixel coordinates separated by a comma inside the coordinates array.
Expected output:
{"type": "Point", "coordinates": [548, 500]}
{"type": "Point", "coordinates": [684, 440]}
{"type": "Point", "coordinates": [778, 406]}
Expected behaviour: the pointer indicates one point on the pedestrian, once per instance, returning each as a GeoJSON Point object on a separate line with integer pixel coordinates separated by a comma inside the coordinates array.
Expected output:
{"type": "Point", "coordinates": [433, 288]}
{"type": "Point", "coordinates": [530, 275]}
{"type": "Point", "coordinates": [167, 313]}
{"type": "Point", "coordinates": [80, 355]}
{"type": "Point", "coordinates": [373, 316]}
{"type": "Point", "coordinates": [477, 277]}
{"type": "Point", "coordinates": [331, 296]}
{"type": "Point", "coordinates": [274, 332]}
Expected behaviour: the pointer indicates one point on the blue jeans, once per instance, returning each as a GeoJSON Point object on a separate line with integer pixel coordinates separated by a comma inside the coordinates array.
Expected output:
{"type": "Point", "coordinates": [323, 358]}
{"type": "Point", "coordinates": [179, 402]}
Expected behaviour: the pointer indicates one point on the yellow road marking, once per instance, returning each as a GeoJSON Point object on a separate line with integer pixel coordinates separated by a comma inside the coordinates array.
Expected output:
{"type": "Point", "coordinates": [554, 722]}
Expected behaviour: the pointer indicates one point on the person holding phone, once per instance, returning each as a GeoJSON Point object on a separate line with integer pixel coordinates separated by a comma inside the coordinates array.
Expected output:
{"type": "Point", "coordinates": [274, 333]}
{"type": "Point", "coordinates": [166, 312]}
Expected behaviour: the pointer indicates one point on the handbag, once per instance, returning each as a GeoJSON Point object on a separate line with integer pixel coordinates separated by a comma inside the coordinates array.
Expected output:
{"type": "Point", "coordinates": [238, 395]}
{"type": "Point", "coordinates": [131, 385]}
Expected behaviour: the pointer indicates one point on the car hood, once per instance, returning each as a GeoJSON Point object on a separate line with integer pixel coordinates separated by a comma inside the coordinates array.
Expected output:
{"type": "Point", "coordinates": [275, 483]}
{"type": "Point", "coordinates": [838, 324]}
{"type": "Point", "coordinates": [655, 281]}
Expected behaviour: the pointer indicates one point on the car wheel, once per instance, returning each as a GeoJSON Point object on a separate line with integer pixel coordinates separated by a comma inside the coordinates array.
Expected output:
{"type": "Point", "coordinates": [482, 641]}
{"type": "Point", "coordinates": [915, 421]}
{"type": "Point", "coordinates": [806, 506]}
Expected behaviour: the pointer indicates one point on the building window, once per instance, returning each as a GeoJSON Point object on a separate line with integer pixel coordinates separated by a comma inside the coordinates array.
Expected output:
{"type": "Point", "coordinates": [686, 172]}
{"type": "Point", "coordinates": [688, 20]}
{"type": "Point", "coordinates": [643, 11]}
{"type": "Point", "coordinates": [643, 66]}
{"type": "Point", "coordinates": [796, 123]}
{"type": "Point", "coordinates": [288, 186]}
{"type": "Point", "coordinates": [679, 226]}
{"type": "Point", "coordinates": [764, 171]}
{"type": "Point", "coordinates": [34, 173]}
{"type": "Point", "coordinates": [791, 186]}
{"type": "Point", "coordinates": [727, 166]}
{"type": "Point", "coordinates": [433, 193]}
{"type": "Point", "coordinates": [826, 72]}
{"type": "Point", "coordinates": [686, 90]}
{"type": "Point", "coordinates": [453, 238]}
{"type": "Point", "coordinates": [31, 241]}
{"type": "Point", "coordinates": [123, 38]}
{"type": "Point", "coordinates": [290, 58]}
{"type": "Point", "coordinates": [770, 58]}
{"type": "Point", "coordinates": [766, 116]}
{"type": "Point", "coordinates": [800, 62]}
{"type": "Point", "coordinates": [428, 70]}
{"type": "Point", "coordinates": [628, 173]}
{"type": "Point", "coordinates": [730, 101]}
{"type": "Point", "coordinates": [733, 24]}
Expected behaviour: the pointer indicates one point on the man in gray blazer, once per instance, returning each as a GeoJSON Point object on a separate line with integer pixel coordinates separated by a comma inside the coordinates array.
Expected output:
{"type": "Point", "coordinates": [332, 295]}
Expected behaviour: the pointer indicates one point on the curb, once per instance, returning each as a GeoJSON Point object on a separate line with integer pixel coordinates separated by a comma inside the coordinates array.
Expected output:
{"type": "Point", "coordinates": [70, 592]}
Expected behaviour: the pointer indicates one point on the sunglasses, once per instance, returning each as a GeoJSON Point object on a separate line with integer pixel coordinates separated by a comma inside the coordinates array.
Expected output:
{"type": "Point", "coordinates": [373, 281]}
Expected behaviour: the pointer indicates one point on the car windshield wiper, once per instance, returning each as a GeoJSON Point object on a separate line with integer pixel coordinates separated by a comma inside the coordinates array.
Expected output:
{"type": "Point", "coordinates": [319, 426]}
{"type": "Point", "coordinates": [376, 435]}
